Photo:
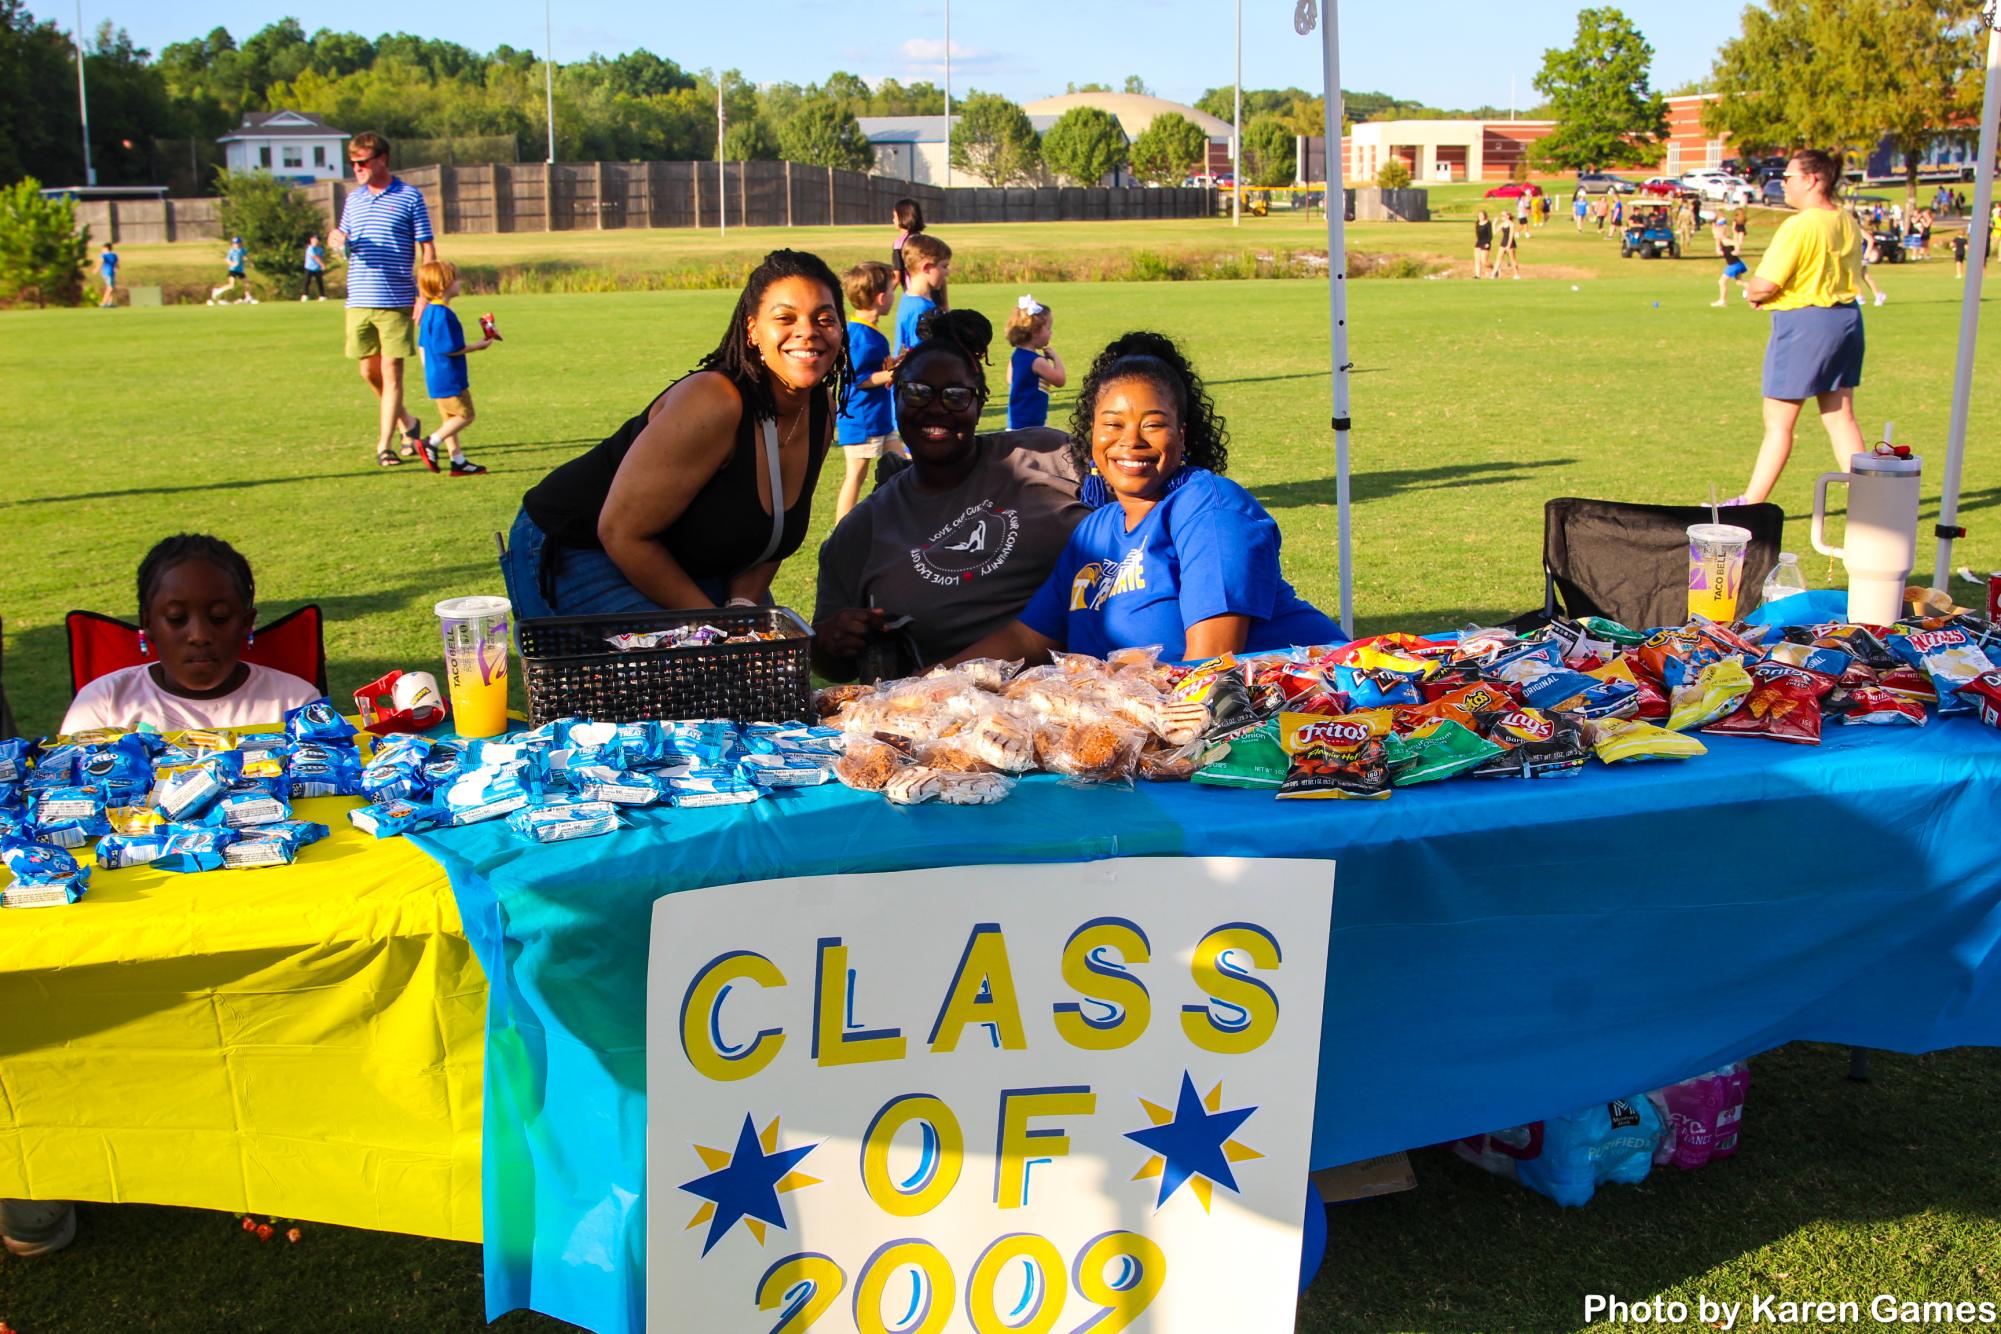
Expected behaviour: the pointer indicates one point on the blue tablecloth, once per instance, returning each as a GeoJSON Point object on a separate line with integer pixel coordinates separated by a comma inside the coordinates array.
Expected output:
{"type": "Point", "coordinates": [1501, 951]}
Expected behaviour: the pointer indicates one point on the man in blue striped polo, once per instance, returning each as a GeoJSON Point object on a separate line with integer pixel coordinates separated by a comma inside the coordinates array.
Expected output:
{"type": "Point", "coordinates": [385, 229]}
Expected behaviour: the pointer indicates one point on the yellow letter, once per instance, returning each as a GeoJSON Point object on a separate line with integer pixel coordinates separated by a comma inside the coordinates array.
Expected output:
{"type": "Point", "coordinates": [982, 992]}
{"type": "Point", "coordinates": [1106, 984]}
{"type": "Point", "coordinates": [701, 1014]}
{"type": "Point", "coordinates": [1249, 1010]}
{"type": "Point", "coordinates": [942, 1156]}
{"type": "Point", "coordinates": [835, 1039]}
{"type": "Point", "coordinates": [1017, 1141]}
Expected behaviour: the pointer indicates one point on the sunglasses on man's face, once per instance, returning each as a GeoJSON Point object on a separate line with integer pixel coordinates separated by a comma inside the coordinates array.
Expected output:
{"type": "Point", "coordinates": [915, 394]}
{"type": "Point", "coordinates": [362, 161]}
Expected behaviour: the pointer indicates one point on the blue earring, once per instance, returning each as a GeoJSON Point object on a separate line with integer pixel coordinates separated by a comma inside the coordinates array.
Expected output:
{"type": "Point", "coordinates": [142, 644]}
{"type": "Point", "coordinates": [250, 638]}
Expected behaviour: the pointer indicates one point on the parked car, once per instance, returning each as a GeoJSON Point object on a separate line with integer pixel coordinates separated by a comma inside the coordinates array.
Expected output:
{"type": "Point", "coordinates": [1514, 190]}
{"type": "Point", "coordinates": [1714, 184]}
{"type": "Point", "coordinates": [1774, 192]}
{"type": "Point", "coordinates": [1665, 186]}
{"type": "Point", "coordinates": [1599, 182]}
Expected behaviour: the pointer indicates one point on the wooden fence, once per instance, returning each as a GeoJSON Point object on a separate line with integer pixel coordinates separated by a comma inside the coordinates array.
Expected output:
{"type": "Point", "coordinates": [605, 196]}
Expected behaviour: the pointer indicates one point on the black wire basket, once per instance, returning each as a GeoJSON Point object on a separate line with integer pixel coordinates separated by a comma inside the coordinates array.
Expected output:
{"type": "Point", "coordinates": [571, 671]}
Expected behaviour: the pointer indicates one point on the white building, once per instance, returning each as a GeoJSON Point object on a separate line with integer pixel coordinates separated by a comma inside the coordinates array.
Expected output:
{"type": "Point", "coordinates": [912, 148]}
{"type": "Point", "coordinates": [291, 145]}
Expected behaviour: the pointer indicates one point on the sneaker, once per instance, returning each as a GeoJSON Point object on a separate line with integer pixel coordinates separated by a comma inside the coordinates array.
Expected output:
{"type": "Point", "coordinates": [466, 468]}
{"type": "Point", "coordinates": [1881, 297]}
{"type": "Point", "coordinates": [429, 453]}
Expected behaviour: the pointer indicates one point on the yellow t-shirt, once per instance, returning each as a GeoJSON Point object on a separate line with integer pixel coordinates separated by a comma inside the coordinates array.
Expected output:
{"type": "Point", "coordinates": [1815, 258]}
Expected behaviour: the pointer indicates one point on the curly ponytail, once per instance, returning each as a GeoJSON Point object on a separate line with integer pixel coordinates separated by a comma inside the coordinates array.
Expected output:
{"type": "Point", "coordinates": [965, 334]}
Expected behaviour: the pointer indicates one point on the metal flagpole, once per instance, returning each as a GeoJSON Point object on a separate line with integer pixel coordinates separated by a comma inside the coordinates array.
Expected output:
{"type": "Point", "coordinates": [1337, 284]}
{"type": "Point", "coordinates": [82, 103]}
{"type": "Point", "coordinates": [1978, 234]}
{"type": "Point", "coordinates": [1237, 131]}
{"type": "Point", "coordinates": [948, 94]}
{"type": "Point", "coordinates": [549, 76]}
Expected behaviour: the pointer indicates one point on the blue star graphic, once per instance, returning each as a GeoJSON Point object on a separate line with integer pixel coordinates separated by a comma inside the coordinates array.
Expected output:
{"type": "Point", "coordinates": [748, 1186]}
{"type": "Point", "coordinates": [1192, 1143]}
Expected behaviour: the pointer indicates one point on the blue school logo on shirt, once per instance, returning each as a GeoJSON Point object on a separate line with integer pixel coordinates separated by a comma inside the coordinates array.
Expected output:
{"type": "Point", "coordinates": [1094, 585]}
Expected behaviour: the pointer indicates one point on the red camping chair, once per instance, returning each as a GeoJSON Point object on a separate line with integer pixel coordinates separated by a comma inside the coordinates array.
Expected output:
{"type": "Point", "coordinates": [293, 643]}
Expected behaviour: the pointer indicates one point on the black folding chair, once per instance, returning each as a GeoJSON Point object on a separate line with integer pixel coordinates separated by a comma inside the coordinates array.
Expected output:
{"type": "Point", "coordinates": [7, 729]}
{"type": "Point", "coordinates": [1630, 562]}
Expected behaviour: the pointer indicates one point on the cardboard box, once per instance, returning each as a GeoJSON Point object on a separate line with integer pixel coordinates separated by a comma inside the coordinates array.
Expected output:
{"type": "Point", "coordinates": [1386, 1175]}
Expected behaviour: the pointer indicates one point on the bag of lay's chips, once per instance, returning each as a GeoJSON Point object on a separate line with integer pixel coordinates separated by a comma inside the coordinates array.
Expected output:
{"type": "Point", "coordinates": [1620, 740]}
{"type": "Point", "coordinates": [1950, 657]}
{"type": "Point", "coordinates": [1784, 705]}
{"type": "Point", "coordinates": [1534, 745]}
{"type": "Point", "coordinates": [1717, 691]}
{"type": "Point", "coordinates": [1252, 758]}
{"type": "Point", "coordinates": [1436, 750]}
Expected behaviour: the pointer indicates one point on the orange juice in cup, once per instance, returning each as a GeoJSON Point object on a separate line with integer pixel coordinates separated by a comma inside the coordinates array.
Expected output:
{"type": "Point", "coordinates": [475, 632]}
{"type": "Point", "coordinates": [1716, 569]}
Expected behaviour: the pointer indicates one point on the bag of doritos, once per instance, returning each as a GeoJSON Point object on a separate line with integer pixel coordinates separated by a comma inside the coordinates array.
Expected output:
{"type": "Point", "coordinates": [1784, 705]}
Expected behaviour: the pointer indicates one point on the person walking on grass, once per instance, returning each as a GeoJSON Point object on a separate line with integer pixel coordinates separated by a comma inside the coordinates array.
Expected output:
{"type": "Point", "coordinates": [865, 427]}
{"type": "Point", "coordinates": [1504, 248]}
{"type": "Point", "coordinates": [1733, 263]}
{"type": "Point", "coordinates": [443, 341]}
{"type": "Point", "coordinates": [1959, 254]}
{"type": "Point", "coordinates": [1579, 206]}
{"type": "Point", "coordinates": [217, 296]}
{"type": "Point", "coordinates": [384, 229]}
{"type": "Point", "coordinates": [107, 269]}
{"type": "Point", "coordinates": [1810, 280]}
{"type": "Point", "coordinates": [316, 269]}
{"type": "Point", "coordinates": [1483, 242]}
{"type": "Point", "coordinates": [1871, 256]}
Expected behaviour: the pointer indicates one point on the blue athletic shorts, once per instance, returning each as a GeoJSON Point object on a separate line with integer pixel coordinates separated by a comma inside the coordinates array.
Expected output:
{"type": "Point", "coordinates": [1814, 350]}
{"type": "Point", "coordinates": [1735, 269]}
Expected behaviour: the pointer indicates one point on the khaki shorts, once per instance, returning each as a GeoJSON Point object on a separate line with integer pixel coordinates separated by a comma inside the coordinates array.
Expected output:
{"type": "Point", "coordinates": [878, 445]}
{"type": "Point", "coordinates": [380, 331]}
{"type": "Point", "coordinates": [458, 405]}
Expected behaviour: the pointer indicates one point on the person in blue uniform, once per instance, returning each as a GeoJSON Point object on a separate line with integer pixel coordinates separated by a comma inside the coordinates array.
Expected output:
{"type": "Point", "coordinates": [1175, 553]}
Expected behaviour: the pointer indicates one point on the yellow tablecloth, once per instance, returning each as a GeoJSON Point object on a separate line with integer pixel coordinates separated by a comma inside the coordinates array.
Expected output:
{"type": "Point", "coordinates": [304, 1041]}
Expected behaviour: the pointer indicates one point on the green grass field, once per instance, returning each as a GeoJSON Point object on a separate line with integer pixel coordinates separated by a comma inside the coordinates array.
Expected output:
{"type": "Point", "coordinates": [1473, 404]}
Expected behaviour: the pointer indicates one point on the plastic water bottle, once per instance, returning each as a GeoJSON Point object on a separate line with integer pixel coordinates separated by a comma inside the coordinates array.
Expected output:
{"type": "Point", "coordinates": [1785, 578]}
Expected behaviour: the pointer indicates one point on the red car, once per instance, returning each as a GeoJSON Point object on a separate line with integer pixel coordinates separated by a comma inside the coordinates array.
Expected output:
{"type": "Point", "coordinates": [1665, 186]}
{"type": "Point", "coordinates": [1513, 189]}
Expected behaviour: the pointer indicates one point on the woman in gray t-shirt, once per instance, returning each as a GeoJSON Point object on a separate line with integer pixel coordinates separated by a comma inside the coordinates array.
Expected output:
{"type": "Point", "coordinates": [953, 546]}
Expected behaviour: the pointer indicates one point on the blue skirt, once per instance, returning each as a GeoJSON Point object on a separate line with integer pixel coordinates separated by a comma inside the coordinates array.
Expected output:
{"type": "Point", "coordinates": [1814, 350]}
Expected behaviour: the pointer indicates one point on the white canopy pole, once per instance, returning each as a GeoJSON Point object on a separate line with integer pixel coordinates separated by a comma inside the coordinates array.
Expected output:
{"type": "Point", "coordinates": [1337, 283]}
{"type": "Point", "coordinates": [1969, 313]}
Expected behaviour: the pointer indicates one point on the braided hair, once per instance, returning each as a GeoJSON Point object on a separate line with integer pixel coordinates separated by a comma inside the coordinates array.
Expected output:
{"type": "Point", "coordinates": [965, 334]}
{"type": "Point", "coordinates": [171, 551]}
{"type": "Point", "coordinates": [736, 358]}
{"type": "Point", "coordinates": [1153, 357]}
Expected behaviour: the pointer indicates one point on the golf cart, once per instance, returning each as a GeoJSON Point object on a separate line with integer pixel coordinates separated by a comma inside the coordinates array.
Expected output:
{"type": "Point", "coordinates": [1890, 246]}
{"type": "Point", "coordinates": [1649, 234]}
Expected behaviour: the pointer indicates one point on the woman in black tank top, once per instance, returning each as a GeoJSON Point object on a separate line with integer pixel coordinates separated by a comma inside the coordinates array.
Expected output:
{"type": "Point", "coordinates": [677, 508]}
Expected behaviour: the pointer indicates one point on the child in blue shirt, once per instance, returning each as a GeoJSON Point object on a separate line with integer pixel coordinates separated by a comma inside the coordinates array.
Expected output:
{"type": "Point", "coordinates": [107, 268]}
{"type": "Point", "coordinates": [442, 340]}
{"type": "Point", "coordinates": [1180, 556]}
{"type": "Point", "coordinates": [236, 257]}
{"type": "Point", "coordinates": [1034, 368]}
{"type": "Point", "coordinates": [866, 427]}
{"type": "Point", "coordinates": [928, 261]}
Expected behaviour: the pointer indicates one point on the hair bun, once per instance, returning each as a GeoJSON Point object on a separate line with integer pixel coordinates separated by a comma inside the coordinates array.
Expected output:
{"type": "Point", "coordinates": [968, 328]}
{"type": "Point", "coordinates": [1144, 343]}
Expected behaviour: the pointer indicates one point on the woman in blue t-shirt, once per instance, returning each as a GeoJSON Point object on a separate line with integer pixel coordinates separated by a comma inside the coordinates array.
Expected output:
{"type": "Point", "coordinates": [1177, 554]}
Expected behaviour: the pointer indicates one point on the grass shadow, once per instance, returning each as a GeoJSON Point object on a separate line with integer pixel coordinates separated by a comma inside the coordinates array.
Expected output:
{"type": "Point", "coordinates": [1380, 485]}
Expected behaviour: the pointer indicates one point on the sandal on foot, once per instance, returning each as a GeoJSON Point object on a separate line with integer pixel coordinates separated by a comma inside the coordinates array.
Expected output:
{"type": "Point", "coordinates": [412, 438]}
{"type": "Point", "coordinates": [384, 459]}
{"type": "Point", "coordinates": [466, 468]}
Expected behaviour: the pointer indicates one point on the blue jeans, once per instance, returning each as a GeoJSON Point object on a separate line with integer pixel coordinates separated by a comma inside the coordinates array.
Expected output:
{"type": "Point", "coordinates": [545, 578]}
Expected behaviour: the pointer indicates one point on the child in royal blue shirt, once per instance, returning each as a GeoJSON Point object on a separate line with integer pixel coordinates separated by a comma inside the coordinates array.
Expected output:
{"type": "Point", "coordinates": [866, 427]}
{"type": "Point", "coordinates": [442, 340]}
{"type": "Point", "coordinates": [1034, 368]}
{"type": "Point", "coordinates": [1178, 555]}
{"type": "Point", "coordinates": [928, 261]}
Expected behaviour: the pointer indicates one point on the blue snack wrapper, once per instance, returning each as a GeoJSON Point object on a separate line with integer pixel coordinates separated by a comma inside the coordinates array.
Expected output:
{"type": "Point", "coordinates": [54, 767]}
{"type": "Point", "coordinates": [320, 769]}
{"type": "Point", "coordinates": [485, 794]}
{"type": "Point", "coordinates": [184, 795]}
{"type": "Point", "coordinates": [643, 744]}
{"type": "Point", "coordinates": [713, 786]}
{"type": "Point", "coordinates": [191, 850]}
{"type": "Point", "coordinates": [123, 769]}
{"type": "Point", "coordinates": [272, 844]}
{"type": "Point", "coordinates": [623, 787]}
{"type": "Point", "coordinates": [1373, 689]}
{"type": "Point", "coordinates": [246, 805]}
{"type": "Point", "coordinates": [116, 852]}
{"type": "Point", "coordinates": [391, 819]}
{"type": "Point", "coordinates": [445, 761]}
{"type": "Point", "coordinates": [13, 759]}
{"type": "Point", "coordinates": [33, 863]}
{"type": "Point", "coordinates": [318, 721]}
{"type": "Point", "coordinates": [559, 821]}
{"type": "Point", "coordinates": [793, 738]}
{"type": "Point", "coordinates": [785, 770]}
{"type": "Point", "coordinates": [710, 740]}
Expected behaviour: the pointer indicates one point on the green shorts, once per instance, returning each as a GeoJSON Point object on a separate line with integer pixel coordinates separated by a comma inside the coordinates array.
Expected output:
{"type": "Point", "coordinates": [380, 330]}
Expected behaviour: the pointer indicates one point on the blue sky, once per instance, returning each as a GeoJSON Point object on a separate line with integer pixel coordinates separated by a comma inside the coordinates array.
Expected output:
{"type": "Point", "coordinates": [1444, 52]}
